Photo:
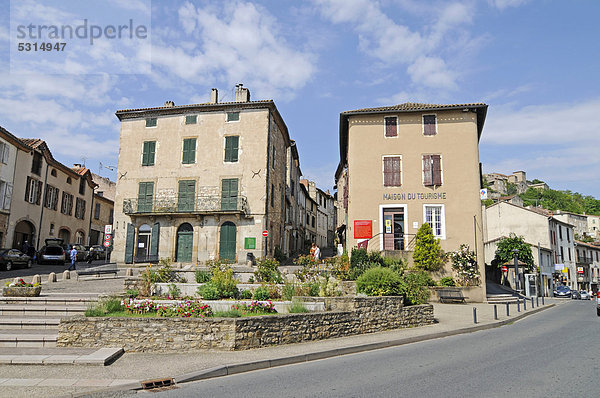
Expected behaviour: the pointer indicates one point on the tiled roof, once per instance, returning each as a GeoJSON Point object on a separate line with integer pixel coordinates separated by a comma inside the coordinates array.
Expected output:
{"type": "Point", "coordinates": [414, 106]}
{"type": "Point", "coordinates": [193, 106]}
{"type": "Point", "coordinates": [80, 170]}
{"type": "Point", "coordinates": [32, 142]}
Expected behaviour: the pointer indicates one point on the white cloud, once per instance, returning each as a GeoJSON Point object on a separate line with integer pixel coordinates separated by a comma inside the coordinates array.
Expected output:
{"type": "Point", "coordinates": [502, 4]}
{"type": "Point", "coordinates": [244, 45]}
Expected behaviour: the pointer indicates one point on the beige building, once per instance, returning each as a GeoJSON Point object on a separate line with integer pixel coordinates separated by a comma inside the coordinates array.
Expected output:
{"type": "Point", "coordinates": [408, 164]}
{"type": "Point", "coordinates": [594, 226]}
{"type": "Point", "coordinates": [200, 182]}
{"type": "Point", "coordinates": [50, 200]}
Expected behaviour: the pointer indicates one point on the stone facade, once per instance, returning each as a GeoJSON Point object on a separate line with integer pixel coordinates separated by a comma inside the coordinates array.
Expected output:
{"type": "Point", "coordinates": [348, 316]}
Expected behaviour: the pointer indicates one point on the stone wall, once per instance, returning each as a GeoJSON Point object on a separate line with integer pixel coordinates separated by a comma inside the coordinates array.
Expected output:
{"type": "Point", "coordinates": [348, 316]}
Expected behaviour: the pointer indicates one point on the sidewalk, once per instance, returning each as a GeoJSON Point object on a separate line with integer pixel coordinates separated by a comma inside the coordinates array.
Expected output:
{"type": "Point", "coordinates": [131, 368]}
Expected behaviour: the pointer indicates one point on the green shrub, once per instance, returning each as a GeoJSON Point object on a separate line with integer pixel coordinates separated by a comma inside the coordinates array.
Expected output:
{"type": "Point", "coordinates": [278, 254]}
{"type": "Point", "coordinates": [288, 291]}
{"type": "Point", "coordinates": [380, 281]}
{"type": "Point", "coordinates": [361, 260]}
{"type": "Point", "coordinates": [94, 310]}
{"type": "Point", "coordinates": [209, 291]}
{"type": "Point", "coordinates": [165, 273]}
{"type": "Point", "coordinates": [202, 276]}
{"type": "Point", "coordinates": [104, 306]}
{"type": "Point", "coordinates": [428, 254]}
{"type": "Point", "coordinates": [447, 281]}
{"type": "Point", "coordinates": [416, 291]}
{"type": "Point", "coordinates": [313, 289]}
{"type": "Point", "coordinates": [233, 313]}
{"type": "Point", "coordinates": [267, 270]}
{"type": "Point", "coordinates": [133, 293]}
{"type": "Point", "coordinates": [261, 294]}
{"type": "Point", "coordinates": [245, 294]}
{"type": "Point", "coordinates": [174, 291]}
{"type": "Point", "coordinates": [297, 307]}
{"type": "Point", "coordinates": [224, 282]}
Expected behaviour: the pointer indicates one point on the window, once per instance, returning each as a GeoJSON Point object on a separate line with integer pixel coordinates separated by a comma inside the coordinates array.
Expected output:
{"type": "Point", "coordinates": [391, 126]}
{"type": "Point", "coordinates": [4, 152]}
{"type": "Point", "coordinates": [229, 194]}
{"type": "Point", "coordinates": [53, 173]}
{"type": "Point", "coordinates": [97, 211]}
{"type": "Point", "coordinates": [33, 191]}
{"type": "Point", "coordinates": [432, 170]}
{"type": "Point", "coordinates": [562, 254]}
{"type": "Point", "coordinates": [434, 216]}
{"type": "Point", "coordinates": [69, 180]}
{"type": "Point", "coordinates": [274, 154]}
{"type": "Point", "coordinates": [569, 250]}
{"type": "Point", "coordinates": [151, 122]}
{"type": "Point", "coordinates": [392, 173]}
{"type": "Point", "coordinates": [80, 208]}
{"type": "Point", "coordinates": [191, 119]}
{"type": "Point", "coordinates": [568, 238]}
{"type": "Point", "coordinates": [148, 153]}
{"type": "Point", "coordinates": [82, 182]}
{"type": "Point", "coordinates": [292, 187]}
{"type": "Point", "coordinates": [187, 195]}
{"type": "Point", "coordinates": [67, 204]}
{"type": "Point", "coordinates": [233, 116]}
{"type": "Point", "coordinates": [429, 125]}
{"type": "Point", "coordinates": [145, 196]}
{"type": "Point", "coordinates": [6, 189]}
{"type": "Point", "coordinates": [189, 151]}
{"type": "Point", "coordinates": [313, 221]}
{"type": "Point", "coordinates": [36, 164]}
{"type": "Point", "coordinates": [231, 148]}
{"type": "Point", "coordinates": [51, 229]}
{"type": "Point", "coordinates": [51, 198]}
{"type": "Point", "coordinates": [560, 232]}
{"type": "Point", "coordinates": [272, 195]}
{"type": "Point", "coordinates": [111, 215]}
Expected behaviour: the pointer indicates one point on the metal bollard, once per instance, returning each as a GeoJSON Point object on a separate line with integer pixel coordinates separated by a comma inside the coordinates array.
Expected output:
{"type": "Point", "coordinates": [518, 305]}
{"type": "Point", "coordinates": [524, 304]}
{"type": "Point", "coordinates": [542, 300]}
{"type": "Point", "coordinates": [507, 309]}
{"type": "Point", "coordinates": [537, 301]}
{"type": "Point", "coordinates": [532, 306]}
{"type": "Point", "coordinates": [495, 312]}
{"type": "Point", "coordinates": [474, 315]}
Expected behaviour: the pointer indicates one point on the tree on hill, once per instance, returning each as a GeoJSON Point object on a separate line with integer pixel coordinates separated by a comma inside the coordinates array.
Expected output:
{"type": "Point", "coordinates": [504, 252]}
{"type": "Point", "coordinates": [428, 254]}
{"type": "Point", "coordinates": [561, 200]}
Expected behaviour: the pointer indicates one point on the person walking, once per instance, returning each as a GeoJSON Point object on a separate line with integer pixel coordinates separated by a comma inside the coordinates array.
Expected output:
{"type": "Point", "coordinates": [73, 254]}
{"type": "Point", "coordinates": [313, 248]}
{"type": "Point", "coordinates": [317, 253]}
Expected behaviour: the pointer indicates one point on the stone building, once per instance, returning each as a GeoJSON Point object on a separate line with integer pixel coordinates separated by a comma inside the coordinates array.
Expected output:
{"type": "Point", "coordinates": [408, 164]}
{"type": "Point", "coordinates": [50, 200]}
{"type": "Point", "coordinates": [200, 182]}
{"type": "Point", "coordinates": [325, 214]}
{"type": "Point", "coordinates": [587, 258]}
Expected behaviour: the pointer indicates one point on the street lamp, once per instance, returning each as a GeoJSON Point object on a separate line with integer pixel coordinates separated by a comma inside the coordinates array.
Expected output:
{"type": "Point", "coordinates": [516, 254]}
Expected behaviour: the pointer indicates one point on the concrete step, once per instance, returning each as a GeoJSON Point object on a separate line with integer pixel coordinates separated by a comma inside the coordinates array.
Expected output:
{"type": "Point", "coordinates": [29, 323]}
{"type": "Point", "coordinates": [503, 299]}
{"type": "Point", "coordinates": [21, 340]}
{"type": "Point", "coordinates": [49, 300]}
{"type": "Point", "coordinates": [59, 356]}
{"type": "Point", "coordinates": [19, 310]}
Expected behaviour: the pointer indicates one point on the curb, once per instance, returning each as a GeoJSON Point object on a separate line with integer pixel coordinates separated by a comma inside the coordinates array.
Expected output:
{"type": "Point", "coordinates": [232, 369]}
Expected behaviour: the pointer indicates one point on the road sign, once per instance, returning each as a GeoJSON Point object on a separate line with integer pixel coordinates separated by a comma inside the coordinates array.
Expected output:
{"type": "Point", "coordinates": [106, 243]}
{"type": "Point", "coordinates": [108, 229]}
{"type": "Point", "coordinates": [504, 268]}
{"type": "Point", "coordinates": [483, 193]}
{"type": "Point", "coordinates": [265, 233]}
{"type": "Point", "coordinates": [107, 237]}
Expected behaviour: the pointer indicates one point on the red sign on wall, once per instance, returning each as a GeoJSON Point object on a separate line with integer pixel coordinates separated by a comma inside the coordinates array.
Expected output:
{"type": "Point", "coordinates": [363, 229]}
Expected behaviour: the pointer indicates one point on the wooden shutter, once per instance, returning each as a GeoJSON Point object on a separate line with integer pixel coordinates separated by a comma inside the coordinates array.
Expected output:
{"type": "Point", "coordinates": [129, 243]}
{"type": "Point", "coordinates": [429, 122]}
{"type": "Point", "coordinates": [8, 196]}
{"type": "Point", "coordinates": [148, 153]}
{"type": "Point", "coordinates": [154, 241]}
{"type": "Point", "coordinates": [189, 150]}
{"type": "Point", "coordinates": [27, 189]}
{"type": "Point", "coordinates": [38, 194]}
{"type": "Point", "coordinates": [186, 196]}
{"type": "Point", "coordinates": [427, 177]}
{"type": "Point", "coordinates": [231, 148]}
{"type": "Point", "coordinates": [229, 193]}
{"type": "Point", "coordinates": [391, 171]}
{"type": "Point", "coordinates": [436, 172]}
{"type": "Point", "coordinates": [145, 193]}
{"type": "Point", "coordinates": [391, 126]}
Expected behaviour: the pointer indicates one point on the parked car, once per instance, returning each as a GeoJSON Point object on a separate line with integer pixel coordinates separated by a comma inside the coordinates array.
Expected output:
{"type": "Point", "coordinates": [584, 295]}
{"type": "Point", "coordinates": [562, 291]}
{"type": "Point", "coordinates": [598, 305]}
{"type": "Point", "coordinates": [97, 252]}
{"type": "Point", "coordinates": [11, 258]}
{"type": "Point", "coordinates": [52, 252]}
{"type": "Point", "coordinates": [575, 295]}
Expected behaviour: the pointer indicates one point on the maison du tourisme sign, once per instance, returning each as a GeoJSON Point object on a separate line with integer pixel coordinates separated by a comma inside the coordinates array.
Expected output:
{"type": "Point", "coordinates": [414, 195]}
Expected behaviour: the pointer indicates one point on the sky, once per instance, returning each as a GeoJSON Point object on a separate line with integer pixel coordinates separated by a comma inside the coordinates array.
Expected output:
{"type": "Point", "coordinates": [534, 62]}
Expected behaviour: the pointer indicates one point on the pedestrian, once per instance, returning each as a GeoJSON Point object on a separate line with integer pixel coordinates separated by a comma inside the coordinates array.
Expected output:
{"type": "Point", "coordinates": [25, 247]}
{"type": "Point", "coordinates": [313, 248]}
{"type": "Point", "coordinates": [317, 253]}
{"type": "Point", "coordinates": [73, 254]}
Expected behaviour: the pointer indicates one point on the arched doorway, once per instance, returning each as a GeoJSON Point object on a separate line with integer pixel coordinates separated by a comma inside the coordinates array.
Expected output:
{"type": "Point", "coordinates": [227, 242]}
{"type": "Point", "coordinates": [79, 237]}
{"type": "Point", "coordinates": [185, 243]}
{"type": "Point", "coordinates": [24, 232]}
{"type": "Point", "coordinates": [65, 235]}
{"type": "Point", "coordinates": [143, 243]}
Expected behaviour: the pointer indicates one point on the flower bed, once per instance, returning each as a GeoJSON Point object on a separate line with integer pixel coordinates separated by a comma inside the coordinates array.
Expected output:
{"type": "Point", "coordinates": [21, 288]}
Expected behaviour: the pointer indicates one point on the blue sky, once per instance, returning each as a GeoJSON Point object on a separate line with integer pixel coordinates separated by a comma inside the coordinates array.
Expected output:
{"type": "Point", "coordinates": [535, 63]}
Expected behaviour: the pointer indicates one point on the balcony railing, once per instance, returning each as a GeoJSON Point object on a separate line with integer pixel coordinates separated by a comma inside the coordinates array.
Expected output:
{"type": "Point", "coordinates": [178, 205]}
{"type": "Point", "coordinates": [584, 260]}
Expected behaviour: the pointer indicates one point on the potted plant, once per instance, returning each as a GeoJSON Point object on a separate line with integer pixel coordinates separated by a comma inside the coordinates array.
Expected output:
{"type": "Point", "coordinates": [21, 289]}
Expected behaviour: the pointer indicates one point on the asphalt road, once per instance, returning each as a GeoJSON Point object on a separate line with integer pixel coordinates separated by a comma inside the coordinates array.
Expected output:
{"type": "Point", "coordinates": [553, 353]}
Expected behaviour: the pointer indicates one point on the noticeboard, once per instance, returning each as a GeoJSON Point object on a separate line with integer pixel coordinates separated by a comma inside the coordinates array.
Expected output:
{"type": "Point", "coordinates": [363, 229]}
{"type": "Point", "coordinates": [250, 243]}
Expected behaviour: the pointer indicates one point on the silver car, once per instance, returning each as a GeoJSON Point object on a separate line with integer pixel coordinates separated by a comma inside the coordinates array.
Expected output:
{"type": "Point", "coordinates": [52, 252]}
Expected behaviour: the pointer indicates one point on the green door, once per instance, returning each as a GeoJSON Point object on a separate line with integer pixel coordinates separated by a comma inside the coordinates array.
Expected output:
{"type": "Point", "coordinates": [185, 242]}
{"type": "Point", "coordinates": [145, 194]}
{"type": "Point", "coordinates": [187, 195]}
{"type": "Point", "coordinates": [227, 241]}
{"type": "Point", "coordinates": [229, 193]}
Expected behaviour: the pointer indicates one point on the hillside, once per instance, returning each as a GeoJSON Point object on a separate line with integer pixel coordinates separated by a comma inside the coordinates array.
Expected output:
{"type": "Point", "coordinates": [561, 200]}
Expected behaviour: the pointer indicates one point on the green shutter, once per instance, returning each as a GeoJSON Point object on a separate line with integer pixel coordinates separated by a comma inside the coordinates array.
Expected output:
{"type": "Point", "coordinates": [187, 195]}
{"type": "Point", "coordinates": [189, 151]}
{"type": "Point", "coordinates": [148, 153]}
{"type": "Point", "coordinates": [229, 193]}
{"type": "Point", "coordinates": [154, 242]}
{"type": "Point", "coordinates": [227, 242]}
{"type": "Point", "coordinates": [250, 243]}
{"type": "Point", "coordinates": [191, 119]}
{"type": "Point", "coordinates": [145, 196]}
{"type": "Point", "coordinates": [231, 148]}
{"type": "Point", "coordinates": [129, 243]}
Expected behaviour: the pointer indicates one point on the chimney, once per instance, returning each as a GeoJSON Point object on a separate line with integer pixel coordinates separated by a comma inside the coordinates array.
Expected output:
{"type": "Point", "coordinates": [242, 94]}
{"type": "Point", "coordinates": [214, 96]}
{"type": "Point", "coordinates": [77, 165]}
{"type": "Point", "coordinates": [169, 104]}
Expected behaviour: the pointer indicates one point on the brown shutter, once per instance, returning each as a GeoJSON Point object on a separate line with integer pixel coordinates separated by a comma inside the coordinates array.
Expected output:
{"type": "Point", "coordinates": [387, 167]}
{"type": "Point", "coordinates": [27, 188]}
{"type": "Point", "coordinates": [396, 172]}
{"type": "Point", "coordinates": [40, 185]}
{"type": "Point", "coordinates": [437, 170]}
{"type": "Point", "coordinates": [427, 178]}
{"type": "Point", "coordinates": [391, 171]}
{"type": "Point", "coordinates": [429, 125]}
{"type": "Point", "coordinates": [391, 129]}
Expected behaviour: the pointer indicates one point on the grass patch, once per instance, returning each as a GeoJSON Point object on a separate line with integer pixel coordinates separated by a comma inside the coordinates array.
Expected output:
{"type": "Point", "coordinates": [297, 307]}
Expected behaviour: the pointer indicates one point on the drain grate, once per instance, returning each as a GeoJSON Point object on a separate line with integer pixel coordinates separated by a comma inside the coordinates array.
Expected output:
{"type": "Point", "coordinates": [157, 383]}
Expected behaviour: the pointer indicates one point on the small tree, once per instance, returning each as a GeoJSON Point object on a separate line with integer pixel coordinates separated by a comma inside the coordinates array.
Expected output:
{"type": "Point", "coordinates": [504, 252]}
{"type": "Point", "coordinates": [428, 254]}
{"type": "Point", "coordinates": [464, 264]}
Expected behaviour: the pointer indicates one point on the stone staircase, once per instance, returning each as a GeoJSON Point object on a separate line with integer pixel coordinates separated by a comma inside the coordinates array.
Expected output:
{"type": "Point", "coordinates": [502, 298]}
